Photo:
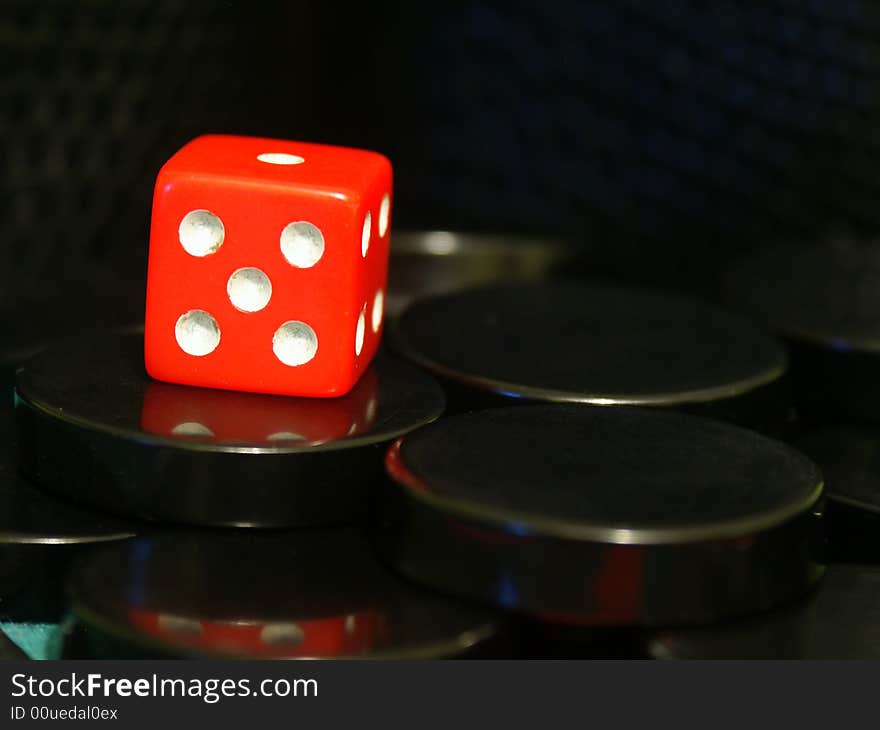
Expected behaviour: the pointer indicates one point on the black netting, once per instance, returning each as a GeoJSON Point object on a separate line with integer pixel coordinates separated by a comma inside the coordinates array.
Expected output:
{"type": "Point", "coordinates": [667, 132]}
{"type": "Point", "coordinates": [94, 96]}
{"type": "Point", "coordinates": [668, 129]}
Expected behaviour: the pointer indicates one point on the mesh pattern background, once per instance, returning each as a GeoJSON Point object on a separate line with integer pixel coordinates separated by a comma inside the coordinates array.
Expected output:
{"type": "Point", "coordinates": [94, 96]}
{"type": "Point", "coordinates": [666, 134]}
{"type": "Point", "coordinates": [672, 132]}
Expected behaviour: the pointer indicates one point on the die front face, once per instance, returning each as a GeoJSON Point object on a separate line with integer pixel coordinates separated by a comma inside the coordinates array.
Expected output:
{"type": "Point", "coordinates": [268, 264]}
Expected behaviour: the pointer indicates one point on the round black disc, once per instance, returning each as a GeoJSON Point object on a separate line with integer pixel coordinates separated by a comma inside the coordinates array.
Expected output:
{"type": "Point", "coordinates": [95, 428]}
{"type": "Point", "coordinates": [603, 516]}
{"type": "Point", "coordinates": [317, 594]}
{"type": "Point", "coordinates": [598, 345]}
{"type": "Point", "coordinates": [838, 621]}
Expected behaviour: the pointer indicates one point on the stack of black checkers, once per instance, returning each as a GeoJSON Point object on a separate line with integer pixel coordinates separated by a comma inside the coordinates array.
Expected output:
{"type": "Point", "coordinates": [534, 466]}
{"type": "Point", "coordinates": [98, 436]}
{"type": "Point", "coordinates": [40, 538]}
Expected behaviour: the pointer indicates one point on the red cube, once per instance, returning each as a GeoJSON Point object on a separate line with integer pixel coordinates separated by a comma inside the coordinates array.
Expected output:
{"type": "Point", "coordinates": [268, 265]}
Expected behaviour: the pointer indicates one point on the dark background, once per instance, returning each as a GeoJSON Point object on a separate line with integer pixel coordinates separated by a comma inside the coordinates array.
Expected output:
{"type": "Point", "coordinates": [664, 136]}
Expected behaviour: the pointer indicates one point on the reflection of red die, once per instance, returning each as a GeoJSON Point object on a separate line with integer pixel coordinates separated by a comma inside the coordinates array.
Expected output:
{"type": "Point", "coordinates": [268, 264]}
{"type": "Point", "coordinates": [351, 635]}
{"type": "Point", "coordinates": [179, 411]}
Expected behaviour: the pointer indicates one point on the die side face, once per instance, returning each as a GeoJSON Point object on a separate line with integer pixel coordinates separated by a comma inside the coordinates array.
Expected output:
{"type": "Point", "coordinates": [258, 270]}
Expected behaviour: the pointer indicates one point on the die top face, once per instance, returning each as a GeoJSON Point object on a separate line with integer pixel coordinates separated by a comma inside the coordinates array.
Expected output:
{"type": "Point", "coordinates": [267, 276]}
{"type": "Point", "coordinates": [340, 172]}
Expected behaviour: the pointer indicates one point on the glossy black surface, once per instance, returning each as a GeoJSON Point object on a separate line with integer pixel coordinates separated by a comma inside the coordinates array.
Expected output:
{"type": "Point", "coordinates": [603, 516]}
{"type": "Point", "coordinates": [841, 620]}
{"type": "Point", "coordinates": [30, 516]}
{"type": "Point", "coordinates": [39, 537]}
{"type": "Point", "coordinates": [608, 467]}
{"type": "Point", "coordinates": [591, 344]}
{"type": "Point", "coordinates": [293, 595]}
{"type": "Point", "coordinates": [94, 427]}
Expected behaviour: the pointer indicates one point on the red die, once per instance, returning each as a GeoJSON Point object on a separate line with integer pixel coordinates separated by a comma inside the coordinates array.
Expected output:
{"type": "Point", "coordinates": [268, 263]}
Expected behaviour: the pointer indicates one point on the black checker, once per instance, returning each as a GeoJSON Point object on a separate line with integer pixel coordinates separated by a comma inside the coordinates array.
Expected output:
{"type": "Point", "coordinates": [95, 428]}
{"type": "Point", "coordinates": [594, 344]}
{"type": "Point", "coordinates": [597, 515]}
